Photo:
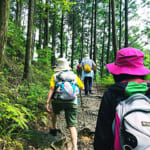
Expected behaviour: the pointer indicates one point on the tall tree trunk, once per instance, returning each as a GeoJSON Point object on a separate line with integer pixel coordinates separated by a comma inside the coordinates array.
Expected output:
{"type": "Point", "coordinates": [87, 45]}
{"type": "Point", "coordinates": [66, 46]}
{"type": "Point", "coordinates": [120, 31]}
{"type": "Point", "coordinates": [40, 28]}
{"type": "Point", "coordinates": [102, 57]}
{"type": "Point", "coordinates": [28, 56]}
{"type": "Point", "coordinates": [95, 48]}
{"type": "Point", "coordinates": [53, 39]}
{"type": "Point", "coordinates": [108, 44]}
{"type": "Point", "coordinates": [82, 28]}
{"type": "Point", "coordinates": [114, 40]}
{"type": "Point", "coordinates": [94, 52]}
{"type": "Point", "coordinates": [126, 23]}
{"type": "Point", "coordinates": [4, 19]}
{"type": "Point", "coordinates": [91, 46]}
{"type": "Point", "coordinates": [61, 34]}
{"type": "Point", "coordinates": [82, 36]}
{"type": "Point", "coordinates": [46, 29]}
{"type": "Point", "coordinates": [19, 12]}
{"type": "Point", "coordinates": [73, 36]}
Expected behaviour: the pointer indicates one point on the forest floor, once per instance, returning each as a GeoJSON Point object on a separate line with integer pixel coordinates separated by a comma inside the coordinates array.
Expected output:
{"type": "Point", "coordinates": [87, 117]}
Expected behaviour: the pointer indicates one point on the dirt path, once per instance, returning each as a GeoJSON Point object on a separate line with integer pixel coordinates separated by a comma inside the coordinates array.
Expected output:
{"type": "Point", "coordinates": [90, 109]}
{"type": "Point", "coordinates": [87, 117]}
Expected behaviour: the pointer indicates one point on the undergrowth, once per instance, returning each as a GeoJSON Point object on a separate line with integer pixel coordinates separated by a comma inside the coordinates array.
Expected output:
{"type": "Point", "coordinates": [22, 105]}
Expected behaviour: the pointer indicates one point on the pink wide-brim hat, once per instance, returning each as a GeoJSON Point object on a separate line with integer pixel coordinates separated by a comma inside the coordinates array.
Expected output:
{"type": "Point", "coordinates": [128, 61]}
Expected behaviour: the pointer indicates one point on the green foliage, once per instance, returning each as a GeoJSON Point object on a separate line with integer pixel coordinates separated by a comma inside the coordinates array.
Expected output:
{"type": "Point", "coordinates": [16, 42]}
{"type": "Point", "coordinates": [147, 63]}
{"type": "Point", "coordinates": [44, 56]}
{"type": "Point", "coordinates": [65, 5]}
{"type": "Point", "coordinates": [22, 104]}
{"type": "Point", "coordinates": [147, 77]}
{"type": "Point", "coordinates": [106, 81]}
{"type": "Point", "coordinates": [13, 116]}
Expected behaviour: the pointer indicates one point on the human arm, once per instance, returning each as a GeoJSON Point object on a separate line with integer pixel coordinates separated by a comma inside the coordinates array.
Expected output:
{"type": "Point", "coordinates": [94, 65]}
{"type": "Point", "coordinates": [80, 84]}
{"type": "Point", "coordinates": [81, 64]}
{"type": "Point", "coordinates": [51, 91]}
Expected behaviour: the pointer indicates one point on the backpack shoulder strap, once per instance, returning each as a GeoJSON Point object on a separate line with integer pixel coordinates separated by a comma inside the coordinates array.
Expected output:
{"type": "Point", "coordinates": [57, 77]}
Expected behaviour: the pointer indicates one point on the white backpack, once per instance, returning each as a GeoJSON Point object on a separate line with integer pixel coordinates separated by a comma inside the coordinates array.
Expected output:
{"type": "Point", "coordinates": [132, 123]}
{"type": "Point", "coordinates": [66, 87]}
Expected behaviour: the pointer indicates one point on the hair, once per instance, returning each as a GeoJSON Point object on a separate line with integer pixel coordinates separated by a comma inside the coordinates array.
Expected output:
{"type": "Point", "coordinates": [122, 77]}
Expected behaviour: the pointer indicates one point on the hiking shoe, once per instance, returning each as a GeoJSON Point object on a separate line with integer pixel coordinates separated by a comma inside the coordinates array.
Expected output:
{"type": "Point", "coordinates": [91, 92]}
{"type": "Point", "coordinates": [54, 131]}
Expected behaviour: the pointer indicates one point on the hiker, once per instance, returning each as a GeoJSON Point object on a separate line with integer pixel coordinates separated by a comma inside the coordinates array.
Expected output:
{"type": "Point", "coordinates": [61, 100]}
{"type": "Point", "coordinates": [128, 72]}
{"type": "Point", "coordinates": [79, 69]}
{"type": "Point", "coordinates": [88, 66]}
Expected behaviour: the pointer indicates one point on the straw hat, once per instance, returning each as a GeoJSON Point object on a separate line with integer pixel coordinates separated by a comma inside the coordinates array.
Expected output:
{"type": "Point", "coordinates": [62, 64]}
{"type": "Point", "coordinates": [128, 61]}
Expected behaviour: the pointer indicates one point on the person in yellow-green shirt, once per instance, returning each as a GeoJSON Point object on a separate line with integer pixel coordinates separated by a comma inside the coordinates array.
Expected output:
{"type": "Point", "coordinates": [69, 106]}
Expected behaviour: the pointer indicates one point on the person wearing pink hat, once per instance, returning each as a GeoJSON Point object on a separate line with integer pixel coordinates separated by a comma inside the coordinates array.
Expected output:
{"type": "Point", "coordinates": [129, 73]}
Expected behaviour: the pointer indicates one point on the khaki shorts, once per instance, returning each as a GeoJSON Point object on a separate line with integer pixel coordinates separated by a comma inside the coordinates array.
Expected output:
{"type": "Point", "coordinates": [71, 112]}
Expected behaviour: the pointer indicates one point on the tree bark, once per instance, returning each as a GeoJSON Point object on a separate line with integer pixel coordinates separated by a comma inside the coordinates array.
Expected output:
{"type": "Point", "coordinates": [4, 20]}
{"type": "Point", "coordinates": [28, 56]}
{"type": "Point", "coordinates": [46, 29]}
{"type": "Point", "coordinates": [61, 35]}
{"type": "Point", "coordinates": [120, 26]}
{"type": "Point", "coordinates": [40, 29]}
{"type": "Point", "coordinates": [73, 36]}
{"type": "Point", "coordinates": [95, 48]}
{"type": "Point", "coordinates": [19, 12]}
{"type": "Point", "coordinates": [82, 36]}
{"type": "Point", "coordinates": [91, 46]}
{"type": "Point", "coordinates": [94, 52]}
{"type": "Point", "coordinates": [53, 39]}
{"type": "Point", "coordinates": [109, 26]}
{"type": "Point", "coordinates": [102, 57]}
{"type": "Point", "coordinates": [126, 23]}
{"type": "Point", "coordinates": [66, 46]}
{"type": "Point", "coordinates": [114, 40]}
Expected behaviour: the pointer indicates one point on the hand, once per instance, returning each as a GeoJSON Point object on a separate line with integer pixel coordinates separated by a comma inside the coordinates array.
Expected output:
{"type": "Point", "coordinates": [48, 108]}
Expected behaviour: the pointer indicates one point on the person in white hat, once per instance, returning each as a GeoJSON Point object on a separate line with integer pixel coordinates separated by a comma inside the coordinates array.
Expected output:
{"type": "Point", "coordinates": [69, 106]}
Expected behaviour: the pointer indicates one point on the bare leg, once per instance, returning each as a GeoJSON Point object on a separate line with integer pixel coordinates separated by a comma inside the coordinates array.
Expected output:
{"type": "Point", "coordinates": [73, 133]}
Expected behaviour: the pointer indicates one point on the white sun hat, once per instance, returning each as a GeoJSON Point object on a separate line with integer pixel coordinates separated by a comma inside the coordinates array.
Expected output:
{"type": "Point", "coordinates": [62, 64]}
{"type": "Point", "coordinates": [86, 56]}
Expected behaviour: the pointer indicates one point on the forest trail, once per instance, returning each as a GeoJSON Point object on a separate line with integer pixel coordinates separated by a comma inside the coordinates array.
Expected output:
{"type": "Point", "coordinates": [87, 117]}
